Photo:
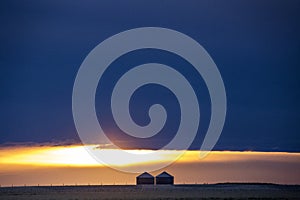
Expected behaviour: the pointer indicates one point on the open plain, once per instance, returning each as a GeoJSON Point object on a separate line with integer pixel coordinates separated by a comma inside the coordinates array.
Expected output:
{"type": "Point", "coordinates": [206, 191]}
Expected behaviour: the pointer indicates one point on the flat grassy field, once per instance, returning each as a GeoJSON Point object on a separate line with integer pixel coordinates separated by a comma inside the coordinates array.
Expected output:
{"type": "Point", "coordinates": [209, 191]}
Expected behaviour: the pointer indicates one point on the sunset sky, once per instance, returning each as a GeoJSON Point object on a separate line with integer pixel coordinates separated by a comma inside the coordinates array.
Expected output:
{"type": "Point", "coordinates": [255, 45]}
{"type": "Point", "coordinates": [71, 165]}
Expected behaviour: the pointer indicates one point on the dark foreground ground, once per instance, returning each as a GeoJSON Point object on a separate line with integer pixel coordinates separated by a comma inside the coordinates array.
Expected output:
{"type": "Point", "coordinates": [216, 191]}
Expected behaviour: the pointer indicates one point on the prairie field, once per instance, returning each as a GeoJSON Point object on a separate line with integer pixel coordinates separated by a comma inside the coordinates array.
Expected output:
{"type": "Point", "coordinates": [207, 191]}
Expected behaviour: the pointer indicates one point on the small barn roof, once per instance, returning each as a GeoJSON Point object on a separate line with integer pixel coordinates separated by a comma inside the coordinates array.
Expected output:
{"type": "Point", "coordinates": [164, 175]}
{"type": "Point", "coordinates": [145, 175]}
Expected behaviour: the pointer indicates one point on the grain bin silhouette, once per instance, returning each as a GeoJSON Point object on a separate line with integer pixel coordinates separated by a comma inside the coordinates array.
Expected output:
{"type": "Point", "coordinates": [164, 179]}
{"type": "Point", "coordinates": [145, 179]}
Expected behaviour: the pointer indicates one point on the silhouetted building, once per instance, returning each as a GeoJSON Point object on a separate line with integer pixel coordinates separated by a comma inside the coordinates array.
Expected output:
{"type": "Point", "coordinates": [145, 179]}
{"type": "Point", "coordinates": [164, 178]}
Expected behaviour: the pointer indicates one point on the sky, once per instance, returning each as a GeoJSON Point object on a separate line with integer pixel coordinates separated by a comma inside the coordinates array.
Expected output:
{"type": "Point", "coordinates": [255, 45]}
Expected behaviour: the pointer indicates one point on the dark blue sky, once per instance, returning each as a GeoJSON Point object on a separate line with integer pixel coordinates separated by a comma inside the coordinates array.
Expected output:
{"type": "Point", "coordinates": [255, 45]}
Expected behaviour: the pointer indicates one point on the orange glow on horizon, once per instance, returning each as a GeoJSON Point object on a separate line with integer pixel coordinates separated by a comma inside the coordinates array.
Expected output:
{"type": "Point", "coordinates": [77, 156]}
{"type": "Point", "coordinates": [32, 165]}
